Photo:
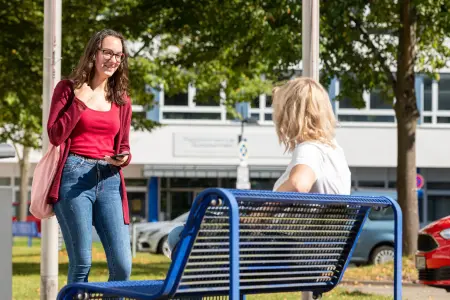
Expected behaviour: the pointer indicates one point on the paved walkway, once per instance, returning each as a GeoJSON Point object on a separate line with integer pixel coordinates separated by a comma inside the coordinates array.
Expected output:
{"type": "Point", "coordinates": [419, 292]}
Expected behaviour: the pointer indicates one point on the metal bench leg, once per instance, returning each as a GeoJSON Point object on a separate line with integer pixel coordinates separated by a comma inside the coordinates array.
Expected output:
{"type": "Point", "coordinates": [398, 240]}
{"type": "Point", "coordinates": [30, 241]}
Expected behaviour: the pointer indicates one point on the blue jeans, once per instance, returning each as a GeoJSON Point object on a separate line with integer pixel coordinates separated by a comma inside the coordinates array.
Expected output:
{"type": "Point", "coordinates": [90, 194]}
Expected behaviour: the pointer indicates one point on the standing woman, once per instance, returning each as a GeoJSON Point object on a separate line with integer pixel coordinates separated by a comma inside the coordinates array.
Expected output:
{"type": "Point", "coordinates": [89, 119]}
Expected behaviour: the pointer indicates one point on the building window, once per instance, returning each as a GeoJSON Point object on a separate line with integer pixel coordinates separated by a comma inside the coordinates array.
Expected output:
{"type": "Point", "coordinates": [438, 207]}
{"type": "Point", "coordinates": [371, 184]}
{"type": "Point", "coordinates": [443, 120]}
{"type": "Point", "coordinates": [363, 118]}
{"type": "Point", "coordinates": [444, 92]}
{"type": "Point", "coordinates": [438, 185]}
{"type": "Point", "coordinates": [229, 183]}
{"type": "Point", "coordinates": [180, 99]}
{"type": "Point", "coordinates": [136, 204]}
{"type": "Point", "coordinates": [348, 103]}
{"type": "Point", "coordinates": [188, 106]}
{"type": "Point", "coordinates": [142, 182]}
{"type": "Point", "coordinates": [5, 181]}
{"type": "Point", "coordinates": [17, 181]}
{"type": "Point", "coordinates": [373, 109]}
{"type": "Point", "coordinates": [262, 183]}
{"type": "Point", "coordinates": [378, 101]}
{"type": "Point", "coordinates": [210, 99]}
{"type": "Point", "coordinates": [436, 104]}
{"type": "Point", "coordinates": [255, 103]}
{"type": "Point", "coordinates": [427, 92]}
{"type": "Point", "coordinates": [261, 108]}
{"type": "Point", "coordinates": [191, 116]}
{"type": "Point", "coordinates": [268, 100]}
{"type": "Point", "coordinates": [192, 183]}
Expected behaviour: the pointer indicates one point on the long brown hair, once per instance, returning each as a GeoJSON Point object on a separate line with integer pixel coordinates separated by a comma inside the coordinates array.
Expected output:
{"type": "Point", "coordinates": [117, 85]}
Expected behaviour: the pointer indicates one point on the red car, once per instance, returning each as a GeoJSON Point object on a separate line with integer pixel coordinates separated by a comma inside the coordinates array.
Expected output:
{"type": "Point", "coordinates": [433, 255]}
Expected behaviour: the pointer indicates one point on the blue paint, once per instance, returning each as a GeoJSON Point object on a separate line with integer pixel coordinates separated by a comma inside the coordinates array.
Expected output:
{"type": "Point", "coordinates": [332, 93]}
{"type": "Point", "coordinates": [418, 86]}
{"type": "Point", "coordinates": [153, 113]}
{"type": "Point", "coordinates": [243, 108]}
{"type": "Point", "coordinates": [153, 209]}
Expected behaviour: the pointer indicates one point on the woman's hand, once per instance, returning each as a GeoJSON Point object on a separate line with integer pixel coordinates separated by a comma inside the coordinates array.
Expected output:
{"type": "Point", "coordinates": [116, 162]}
{"type": "Point", "coordinates": [84, 93]}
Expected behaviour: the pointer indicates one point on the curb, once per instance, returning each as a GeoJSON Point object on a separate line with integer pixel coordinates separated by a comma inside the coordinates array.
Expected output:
{"type": "Point", "coordinates": [378, 283]}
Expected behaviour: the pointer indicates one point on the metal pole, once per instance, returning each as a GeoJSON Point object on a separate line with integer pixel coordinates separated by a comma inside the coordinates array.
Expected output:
{"type": "Point", "coordinates": [310, 52]}
{"type": "Point", "coordinates": [310, 38]}
{"type": "Point", "coordinates": [52, 74]}
{"type": "Point", "coordinates": [134, 239]}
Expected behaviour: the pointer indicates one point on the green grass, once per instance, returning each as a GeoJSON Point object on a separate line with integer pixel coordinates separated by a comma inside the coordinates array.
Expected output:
{"type": "Point", "coordinates": [26, 273]}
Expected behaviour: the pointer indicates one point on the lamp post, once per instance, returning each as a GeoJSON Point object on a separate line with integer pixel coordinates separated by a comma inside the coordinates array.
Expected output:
{"type": "Point", "coordinates": [6, 151]}
{"type": "Point", "coordinates": [51, 76]}
{"type": "Point", "coordinates": [242, 175]}
{"type": "Point", "coordinates": [310, 52]}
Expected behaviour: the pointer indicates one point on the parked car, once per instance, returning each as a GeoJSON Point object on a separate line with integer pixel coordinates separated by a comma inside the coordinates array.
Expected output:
{"type": "Point", "coordinates": [433, 255]}
{"type": "Point", "coordinates": [375, 245]}
{"type": "Point", "coordinates": [152, 237]}
{"type": "Point", "coordinates": [376, 241]}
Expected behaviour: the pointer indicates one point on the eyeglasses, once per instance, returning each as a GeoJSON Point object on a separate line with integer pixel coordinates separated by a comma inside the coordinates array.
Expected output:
{"type": "Point", "coordinates": [108, 54]}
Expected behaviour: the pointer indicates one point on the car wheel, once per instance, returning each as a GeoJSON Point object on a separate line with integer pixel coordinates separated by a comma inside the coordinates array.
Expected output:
{"type": "Point", "coordinates": [382, 254]}
{"type": "Point", "coordinates": [164, 247]}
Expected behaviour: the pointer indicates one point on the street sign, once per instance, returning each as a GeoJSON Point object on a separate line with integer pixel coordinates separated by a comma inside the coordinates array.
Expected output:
{"type": "Point", "coordinates": [420, 181]}
{"type": "Point", "coordinates": [243, 150]}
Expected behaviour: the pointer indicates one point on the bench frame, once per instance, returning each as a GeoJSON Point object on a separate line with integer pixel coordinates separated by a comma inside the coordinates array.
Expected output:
{"type": "Point", "coordinates": [219, 196]}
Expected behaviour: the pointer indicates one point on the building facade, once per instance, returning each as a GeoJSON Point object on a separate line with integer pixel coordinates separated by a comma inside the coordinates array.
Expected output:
{"type": "Point", "coordinates": [198, 148]}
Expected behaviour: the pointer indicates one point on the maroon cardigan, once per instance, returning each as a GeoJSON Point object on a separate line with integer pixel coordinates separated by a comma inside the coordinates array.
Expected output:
{"type": "Point", "coordinates": [65, 111]}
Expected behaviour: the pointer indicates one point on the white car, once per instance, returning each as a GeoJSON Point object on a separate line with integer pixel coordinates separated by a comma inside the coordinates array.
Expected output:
{"type": "Point", "coordinates": [152, 237]}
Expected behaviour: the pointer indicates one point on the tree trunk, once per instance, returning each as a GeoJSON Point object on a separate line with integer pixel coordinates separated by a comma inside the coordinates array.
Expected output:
{"type": "Point", "coordinates": [24, 164]}
{"type": "Point", "coordinates": [407, 114]}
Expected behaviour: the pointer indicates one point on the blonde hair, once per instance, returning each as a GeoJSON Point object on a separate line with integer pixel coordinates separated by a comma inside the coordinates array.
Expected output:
{"type": "Point", "coordinates": [302, 112]}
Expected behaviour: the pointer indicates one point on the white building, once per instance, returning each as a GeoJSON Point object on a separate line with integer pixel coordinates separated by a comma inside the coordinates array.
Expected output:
{"type": "Point", "coordinates": [197, 148]}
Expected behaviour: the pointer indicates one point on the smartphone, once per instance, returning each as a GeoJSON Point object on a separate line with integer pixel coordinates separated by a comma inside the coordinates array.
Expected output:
{"type": "Point", "coordinates": [120, 156]}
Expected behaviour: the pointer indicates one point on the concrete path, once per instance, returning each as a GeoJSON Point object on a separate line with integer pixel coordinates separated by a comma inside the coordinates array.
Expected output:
{"type": "Point", "coordinates": [419, 292]}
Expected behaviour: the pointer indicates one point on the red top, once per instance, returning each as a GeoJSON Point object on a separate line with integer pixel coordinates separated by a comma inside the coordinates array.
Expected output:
{"type": "Point", "coordinates": [93, 136]}
{"type": "Point", "coordinates": [65, 112]}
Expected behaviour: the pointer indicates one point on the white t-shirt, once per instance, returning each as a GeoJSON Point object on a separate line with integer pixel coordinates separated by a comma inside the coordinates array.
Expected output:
{"type": "Point", "coordinates": [329, 165]}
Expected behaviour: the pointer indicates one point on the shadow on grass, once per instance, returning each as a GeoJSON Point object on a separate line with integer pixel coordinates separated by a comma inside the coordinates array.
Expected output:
{"type": "Point", "coordinates": [355, 293]}
{"type": "Point", "coordinates": [15, 255]}
{"type": "Point", "coordinates": [153, 270]}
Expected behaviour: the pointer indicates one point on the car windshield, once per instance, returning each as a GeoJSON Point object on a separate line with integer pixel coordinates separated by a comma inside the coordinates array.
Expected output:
{"type": "Point", "coordinates": [385, 214]}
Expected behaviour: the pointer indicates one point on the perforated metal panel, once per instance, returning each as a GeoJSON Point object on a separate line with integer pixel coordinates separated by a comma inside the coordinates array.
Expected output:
{"type": "Point", "coordinates": [287, 242]}
{"type": "Point", "coordinates": [283, 246]}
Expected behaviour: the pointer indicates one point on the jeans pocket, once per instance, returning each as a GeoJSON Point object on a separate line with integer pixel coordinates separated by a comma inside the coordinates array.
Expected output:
{"type": "Point", "coordinates": [114, 171]}
{"type": "Point", "coordinates": [72, 164]}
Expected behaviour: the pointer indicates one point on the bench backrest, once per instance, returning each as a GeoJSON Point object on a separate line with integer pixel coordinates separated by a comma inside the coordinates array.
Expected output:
{"type": "Point", "coordinates": [286, 242]}
{"type": "Point", "coordinates": [20, 228]}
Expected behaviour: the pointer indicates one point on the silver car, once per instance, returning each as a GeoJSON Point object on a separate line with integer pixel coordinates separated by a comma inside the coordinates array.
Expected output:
{"type": "Point", "coordinates": [152, 237]}
{"type": "Point", "coordinates": [376, 241]}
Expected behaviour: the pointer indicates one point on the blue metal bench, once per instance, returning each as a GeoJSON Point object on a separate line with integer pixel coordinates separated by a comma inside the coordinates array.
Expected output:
{"type": "Point", "coordinates": [28, 229]}
{"type": "Point", "coordinates": [239, 242]}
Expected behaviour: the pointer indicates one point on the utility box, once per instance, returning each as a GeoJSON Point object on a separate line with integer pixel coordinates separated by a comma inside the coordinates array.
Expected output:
{"type": "Point", "coordinates": [6, 151]}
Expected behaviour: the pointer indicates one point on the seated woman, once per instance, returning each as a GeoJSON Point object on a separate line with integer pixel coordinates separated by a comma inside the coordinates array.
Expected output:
{"type": "Point", "coordinates": [305, 125]}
